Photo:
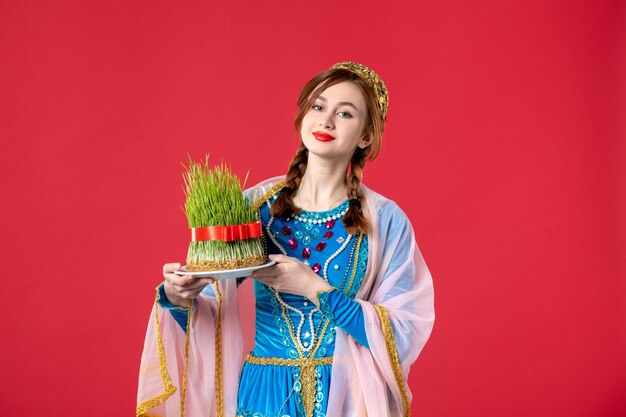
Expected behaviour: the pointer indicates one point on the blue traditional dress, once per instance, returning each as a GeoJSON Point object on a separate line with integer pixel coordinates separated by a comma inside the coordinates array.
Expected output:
{"type": "Point", "coordinates": [290, 329]}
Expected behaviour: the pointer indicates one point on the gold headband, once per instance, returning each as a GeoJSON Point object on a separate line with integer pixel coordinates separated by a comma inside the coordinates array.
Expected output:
{"type": "Point", "coordinates": [372, 79]}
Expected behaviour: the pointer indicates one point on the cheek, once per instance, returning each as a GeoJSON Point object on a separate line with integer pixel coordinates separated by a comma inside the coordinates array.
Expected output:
{"type": "Point", "coordinates": [307, 122]}
{"type": "Point", "coordinates": [355, 130]}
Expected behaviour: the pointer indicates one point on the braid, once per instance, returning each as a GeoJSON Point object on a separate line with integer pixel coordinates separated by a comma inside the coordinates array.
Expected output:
{"type": "Point", "coordinates": [354, 220]}
{"type": "Point", "coordinates": [283, 207]}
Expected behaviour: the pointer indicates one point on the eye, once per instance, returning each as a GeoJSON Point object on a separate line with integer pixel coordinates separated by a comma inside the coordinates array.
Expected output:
{"type": "Point", "coordinates": [345, 114]}
{"type": "Point", "coordinates": [317, 107]}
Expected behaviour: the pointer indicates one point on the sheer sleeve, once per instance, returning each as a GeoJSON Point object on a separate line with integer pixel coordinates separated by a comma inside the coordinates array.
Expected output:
{"type": "Point", "coordinates": [398, 307]}
{"type": "Point", "coordinates": [405, 291]}
{"type": "Point", "coordinates": [194, 373]}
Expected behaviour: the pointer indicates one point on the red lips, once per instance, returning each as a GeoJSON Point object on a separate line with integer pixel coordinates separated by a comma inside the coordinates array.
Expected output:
{"type": "Point", "coordinates": [323, 137]}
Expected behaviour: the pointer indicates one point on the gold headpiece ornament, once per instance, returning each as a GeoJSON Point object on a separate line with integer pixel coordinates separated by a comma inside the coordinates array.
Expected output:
{"type": "Point", "coordinates": [372, 79]}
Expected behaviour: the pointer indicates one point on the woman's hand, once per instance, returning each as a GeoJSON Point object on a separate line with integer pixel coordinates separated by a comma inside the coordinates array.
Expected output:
{"type": "Point", "coordinates": [292, 276]}
{"type": "Point", "coordinates": [179, 289]}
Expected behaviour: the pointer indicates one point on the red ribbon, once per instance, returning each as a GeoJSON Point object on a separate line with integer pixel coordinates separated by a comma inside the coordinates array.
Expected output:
{"type": "Point", "coordinates": [226, 233]}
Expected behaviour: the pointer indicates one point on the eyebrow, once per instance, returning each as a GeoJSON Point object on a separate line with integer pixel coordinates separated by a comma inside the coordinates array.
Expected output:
{"type": "Point", "coordinates": [341, 103]}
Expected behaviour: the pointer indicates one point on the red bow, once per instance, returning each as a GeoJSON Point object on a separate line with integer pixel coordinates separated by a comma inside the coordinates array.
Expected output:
{"type": "Point", "coordinates": [226, 233]}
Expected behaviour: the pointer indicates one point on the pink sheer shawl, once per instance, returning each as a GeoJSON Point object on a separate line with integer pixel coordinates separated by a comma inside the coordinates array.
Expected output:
{"type": "Point", "coordinates": [197, 375]}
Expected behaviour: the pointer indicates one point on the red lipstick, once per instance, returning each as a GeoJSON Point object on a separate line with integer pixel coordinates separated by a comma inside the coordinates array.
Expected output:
{"type": "Point", "coordinates": [323, 137]}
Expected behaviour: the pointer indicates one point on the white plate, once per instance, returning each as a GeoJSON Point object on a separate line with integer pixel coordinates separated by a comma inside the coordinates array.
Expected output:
{"type": "Point", "coordinates": [225, 273]}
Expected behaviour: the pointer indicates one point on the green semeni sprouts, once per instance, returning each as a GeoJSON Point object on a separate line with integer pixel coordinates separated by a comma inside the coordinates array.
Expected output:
{"type": "Point", "coordinates": [214, 197]}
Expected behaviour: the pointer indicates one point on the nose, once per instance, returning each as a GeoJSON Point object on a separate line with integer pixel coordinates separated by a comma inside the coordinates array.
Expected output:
{"type": "Point", "coordinates": [325, 121]}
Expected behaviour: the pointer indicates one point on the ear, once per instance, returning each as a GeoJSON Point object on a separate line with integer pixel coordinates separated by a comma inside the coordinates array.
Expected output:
{"type": "Point", "coordinates": [365, 141]}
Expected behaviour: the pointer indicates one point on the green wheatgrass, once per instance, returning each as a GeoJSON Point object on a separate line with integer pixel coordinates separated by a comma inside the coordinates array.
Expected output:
{"type": "Point", "coordinates": [214, 197]}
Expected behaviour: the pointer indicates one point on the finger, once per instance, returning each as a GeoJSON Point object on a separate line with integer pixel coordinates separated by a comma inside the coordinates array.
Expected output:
{"type": "Point", "coordinates": [190, 294]}
{"type": "Point", "coordinates": [193, 292]}
{"type": "Point", "coordinates": [198, 284]}
{"type": "Point", "coordinates": [183, 280]}
{"type": "Point", "coordinates": [265, 272]}
{"type": "Point", "coordinates": [198, 291]}
{"type": "Point", "coordinates": [281, 258]}
{"type": "Point", "coordinates": [178, 289]}
{"type": "Point", "coordinates": [194, 283]}
{"type": "Point", "coordinates": [259, 276]}
{"type": "Point", "coordinates": [266, 279]}
{"type": "Point", "coordinates": [169, 268]}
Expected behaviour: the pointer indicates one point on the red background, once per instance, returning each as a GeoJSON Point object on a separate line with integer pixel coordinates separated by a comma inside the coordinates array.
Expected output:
{"type": "Point", "coordinates": [505, 144]}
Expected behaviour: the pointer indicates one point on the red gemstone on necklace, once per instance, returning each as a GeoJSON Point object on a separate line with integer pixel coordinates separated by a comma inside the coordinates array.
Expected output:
{"type": "Point", "coordinates": [316, 268]}
{"type": "Point", "coordinates": [328, 234]}
{"type": "Point", "coordinates": [286, 230]}
{"type": "Point", "coordinates": [330, 224]}
{"type": "Point", "coordinates": [292, 243]}
{"type": "Point", "coordinates": [306, 253]}
{"type": "Point", "coordinates": [320, 246]}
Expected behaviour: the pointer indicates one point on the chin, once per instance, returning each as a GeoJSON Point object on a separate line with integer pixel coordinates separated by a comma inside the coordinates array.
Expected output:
{"type": "Point", "coordinates": [314, 145]}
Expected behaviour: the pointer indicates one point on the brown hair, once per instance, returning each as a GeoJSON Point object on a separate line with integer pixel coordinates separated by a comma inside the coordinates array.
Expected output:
{"type": "Point", "coordinates": [354, 220]}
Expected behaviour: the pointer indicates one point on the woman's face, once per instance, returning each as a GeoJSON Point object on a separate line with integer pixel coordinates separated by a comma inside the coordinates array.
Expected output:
{"type": "Point", "coordinates": [334, 125]}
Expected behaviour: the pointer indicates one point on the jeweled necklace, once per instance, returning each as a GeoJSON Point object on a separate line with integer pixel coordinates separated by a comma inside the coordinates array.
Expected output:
{"type": "Point", "coordinates": [305, 218]}
{"type": "Point", "coordinates": [320, 221]}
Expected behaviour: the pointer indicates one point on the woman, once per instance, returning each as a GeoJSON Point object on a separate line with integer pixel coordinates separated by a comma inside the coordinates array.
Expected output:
{"type": "Point", "coordinates": [342, 315]}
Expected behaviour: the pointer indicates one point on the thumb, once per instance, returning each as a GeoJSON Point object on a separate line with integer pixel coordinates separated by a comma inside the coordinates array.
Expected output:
{"type": "Point", "coordinates": [280, 258]}
{"type": "Point", "coordinates": [168, 268]}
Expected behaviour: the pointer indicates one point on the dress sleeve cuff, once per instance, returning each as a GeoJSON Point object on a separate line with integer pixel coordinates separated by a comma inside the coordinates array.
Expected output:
{"type": "Point", "coordinates": [324, 305]}
{"type": "Point", "coordinates": [179, 313]}
{"type": "Point", "coordinates": [164, 302]}
{"type": "Point", "coordinates": [344, 312]}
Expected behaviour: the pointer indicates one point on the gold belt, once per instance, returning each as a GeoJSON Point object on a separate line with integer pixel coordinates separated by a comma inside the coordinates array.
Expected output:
{"type": "Point", "coordinates": [307, 374]}
{"type": "Point", "coordinates": [256, 360]}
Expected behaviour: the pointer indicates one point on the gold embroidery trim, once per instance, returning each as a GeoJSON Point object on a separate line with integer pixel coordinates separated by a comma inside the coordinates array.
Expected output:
{"type": "Point", "coordinates": [273, 190]}
{"type": "Point", "coordinates": [356, 262]}
{"type": "Point", "coordinates": [317, 297]}
{"type": "Point", "coordinates": [307, 365]}
{"type": "Point", "coordinates": [256, 360]}
{"type": "Point", "coordinates": [307, 373]}
{"type": "Point", "coordinates": [168, 387]}
{"type": "Point", "coordinates": [392, 352]}
{"type": "Point", "coordinates": [183, 385]}
{"type": "Point", "coordinates": [219, 382]}
{"type": "Point", "coordinates": [293, 336]}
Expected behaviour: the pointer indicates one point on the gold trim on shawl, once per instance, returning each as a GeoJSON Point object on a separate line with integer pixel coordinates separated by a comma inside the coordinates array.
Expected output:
{"type": "Point", "coordinates": [355, 262]}
{"type": "Point", "coordinates": [392, 352]}
{"type": "Point", "coordinates": [183, 385]}
{"type": "Point", "coordinates": [219, 378]}
{"type": "Point", "coordinates": [168, 386]}
{"type": "Point", "coordinates": [273, 190]}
